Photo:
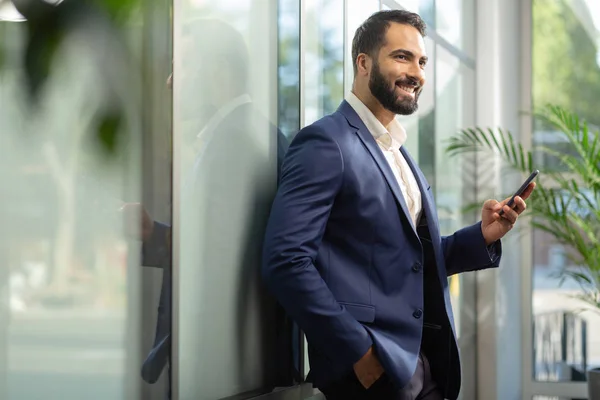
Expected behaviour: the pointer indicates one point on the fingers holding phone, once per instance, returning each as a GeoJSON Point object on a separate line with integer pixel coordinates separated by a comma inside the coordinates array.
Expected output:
{"type": "Point", "coordinates": [137, 221]}
{"type": "Point", "coordinates": [515, 206]}
{"type": "Point", "coordinates": [522, 193]}
{"type": "Point", "coordinates": [498, 218]}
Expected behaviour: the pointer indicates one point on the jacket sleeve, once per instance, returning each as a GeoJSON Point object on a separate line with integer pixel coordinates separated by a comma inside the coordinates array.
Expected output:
{"type": "Point", "coordinates": [155, 250]}
{"type": "Point", "coordinates": [466, 251]}
{"type": "Point", "coordinates": [312, 175]}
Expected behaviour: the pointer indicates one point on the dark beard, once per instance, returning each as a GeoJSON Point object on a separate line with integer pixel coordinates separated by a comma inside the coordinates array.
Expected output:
{"type": "Point", "coordinates": [387, 95]}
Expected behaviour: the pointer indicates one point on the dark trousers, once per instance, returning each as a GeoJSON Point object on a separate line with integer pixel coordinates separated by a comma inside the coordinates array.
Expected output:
{"type": "Point", "coordinates": [420, 387]}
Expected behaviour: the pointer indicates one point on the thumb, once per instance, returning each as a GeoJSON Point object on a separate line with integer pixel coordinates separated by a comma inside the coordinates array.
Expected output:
{"type": "Point", "coordinates": [492, 205]}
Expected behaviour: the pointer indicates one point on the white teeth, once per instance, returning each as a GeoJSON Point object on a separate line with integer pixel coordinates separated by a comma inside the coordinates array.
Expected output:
{"type": "Point", "coordinates": [407, 89]}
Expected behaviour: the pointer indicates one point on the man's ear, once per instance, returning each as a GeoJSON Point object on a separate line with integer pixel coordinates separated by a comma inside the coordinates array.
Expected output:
{"type": "Point", "coordinates": [217, 69]}
{"type": "Point", "coordinates": [363, 64]}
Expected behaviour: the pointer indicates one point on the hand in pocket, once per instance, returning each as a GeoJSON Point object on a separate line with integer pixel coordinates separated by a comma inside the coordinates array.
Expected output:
{"type": "Point", "coordinates": [368, 369]}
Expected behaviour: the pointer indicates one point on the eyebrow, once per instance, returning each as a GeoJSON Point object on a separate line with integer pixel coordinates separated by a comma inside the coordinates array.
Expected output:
{"type": "Point", "coordinates": [408, 54]}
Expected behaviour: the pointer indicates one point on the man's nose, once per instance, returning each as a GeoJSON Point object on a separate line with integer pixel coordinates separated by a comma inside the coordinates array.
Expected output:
{"type": "Point", "coordinates": [417, 74]}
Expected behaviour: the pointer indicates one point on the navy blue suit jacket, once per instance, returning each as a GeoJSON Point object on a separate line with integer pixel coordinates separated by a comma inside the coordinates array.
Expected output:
{"type": "Point", "coordinates": [343, 258]}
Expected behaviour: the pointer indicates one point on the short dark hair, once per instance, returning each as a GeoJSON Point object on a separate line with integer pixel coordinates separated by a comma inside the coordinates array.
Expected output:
{"type": "Point", "coordinates": [231, 47]}
{"type": "Point", "coordinates": [370, 36]}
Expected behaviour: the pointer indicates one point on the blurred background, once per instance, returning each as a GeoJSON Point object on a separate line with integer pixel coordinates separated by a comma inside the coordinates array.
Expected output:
{"type": "Point", "coordinates": [175, 115]}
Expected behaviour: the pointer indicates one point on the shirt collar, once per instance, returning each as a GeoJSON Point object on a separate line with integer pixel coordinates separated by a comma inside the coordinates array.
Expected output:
{"type": "Point", "coordinates": [394, 136]}
{"type": "Point", "coordinates": [220, 115]}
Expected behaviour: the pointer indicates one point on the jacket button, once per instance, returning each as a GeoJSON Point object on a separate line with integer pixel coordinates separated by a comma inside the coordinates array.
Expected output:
{"type": "Point", "coordinates": [418, 313]}
{"type": "Point", "coordinates": [417, 267]}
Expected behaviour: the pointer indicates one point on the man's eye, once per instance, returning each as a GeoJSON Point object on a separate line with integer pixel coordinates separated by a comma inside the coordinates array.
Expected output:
{"type": "Point", "coordinates": [401, 57]}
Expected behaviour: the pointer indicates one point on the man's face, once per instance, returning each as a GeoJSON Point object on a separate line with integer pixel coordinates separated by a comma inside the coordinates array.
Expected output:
{"type": "Point", "coordinates": [397, 74]}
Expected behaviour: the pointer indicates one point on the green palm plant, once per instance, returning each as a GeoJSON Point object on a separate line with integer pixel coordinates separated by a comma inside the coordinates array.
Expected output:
{"type": "Point", "coordinates": [566, 201]}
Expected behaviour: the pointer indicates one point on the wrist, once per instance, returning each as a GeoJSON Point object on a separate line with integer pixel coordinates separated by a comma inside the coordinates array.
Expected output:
{"type": "Point", "coordinates": [486, 237]}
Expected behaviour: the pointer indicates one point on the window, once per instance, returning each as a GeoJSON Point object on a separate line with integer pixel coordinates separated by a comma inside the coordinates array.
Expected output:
{"type": "Point", "coordinates": [289, 66]}
{"type": "Point", "coordinates": [566, 73]}
{"type": "Point", "coordinates": [358, 11]}
{"type": "Point", "coordinates": [324, 58]}
{"type": "Point", "coordinates": [454, 22]}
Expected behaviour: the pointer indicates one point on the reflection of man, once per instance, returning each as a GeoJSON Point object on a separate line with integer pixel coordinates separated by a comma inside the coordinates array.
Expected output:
{"type": "Point", "coordinates": [353, 249]}
{"type": "Point", "coordinates": [229, 149]}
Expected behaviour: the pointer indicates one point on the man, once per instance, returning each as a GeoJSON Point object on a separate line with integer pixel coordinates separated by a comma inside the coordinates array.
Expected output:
{"type": "Point", "coordinates": [231, 158]}
{"type": "Point", "coordinates": [353, 250]}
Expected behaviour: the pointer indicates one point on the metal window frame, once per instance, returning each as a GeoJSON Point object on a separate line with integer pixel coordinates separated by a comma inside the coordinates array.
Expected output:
{"type": "Point", "coordinates": [437, 38]}
{"type": "Point", "coordinates": [302, 78]}
{"type": "Point", "coordinates": [176, 210]}
{"type": "Point", "coordinates": [526, 241]}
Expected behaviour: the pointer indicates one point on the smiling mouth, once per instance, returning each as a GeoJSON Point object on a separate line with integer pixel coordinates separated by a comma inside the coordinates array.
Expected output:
{"type": "Point", "coordinates": [410, 90]}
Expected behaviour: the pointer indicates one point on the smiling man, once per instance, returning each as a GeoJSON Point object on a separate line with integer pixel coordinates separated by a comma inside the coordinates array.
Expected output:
{"type": "Point", "coordinates": [353, 249]}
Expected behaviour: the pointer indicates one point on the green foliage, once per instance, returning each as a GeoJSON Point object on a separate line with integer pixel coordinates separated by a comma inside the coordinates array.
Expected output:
{"type": "Point", "coordinates": [109, 127]}
{"type": "Point", "coordinates": [565, 68]}
{"type": "Point", "coordinates": [118, 10]}
{"type": "Point", "coordinates": [2, 44]}
{"type": "Point", "coordinates": [566, 201]}
{"type": "Point", "coordinates": [47, 25]}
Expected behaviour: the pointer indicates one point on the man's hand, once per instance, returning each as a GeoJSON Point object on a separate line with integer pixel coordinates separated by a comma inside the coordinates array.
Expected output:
{"type": "Point", "coordinates": [493, 225]}
{"type": "Point", "coordinates": [368, 369]}
{"type": "Point", "coordinates": [135, 214]}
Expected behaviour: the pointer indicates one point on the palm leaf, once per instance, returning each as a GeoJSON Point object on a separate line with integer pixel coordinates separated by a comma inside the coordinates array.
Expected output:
{"type": "Point", "coordinates": [566, 202]}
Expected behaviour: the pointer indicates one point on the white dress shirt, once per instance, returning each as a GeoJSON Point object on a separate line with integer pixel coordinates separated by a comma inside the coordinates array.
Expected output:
{"type": "Point", "coordinates": [206, 134]}
{"type": "Point", "coordinates": [390, 139]}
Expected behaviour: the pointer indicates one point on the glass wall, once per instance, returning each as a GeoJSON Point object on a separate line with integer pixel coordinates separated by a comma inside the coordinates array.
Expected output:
{"type": "Point", "coordinates": [566, 72]}
{"type": "Point", "coordinates": [72, 159]}
{"type": "Point", "coordinates": [226, 145]}
{"type": "Point", "coordinates": [357, 11]}
{"type": "Point", "coordinates": [323, 58]}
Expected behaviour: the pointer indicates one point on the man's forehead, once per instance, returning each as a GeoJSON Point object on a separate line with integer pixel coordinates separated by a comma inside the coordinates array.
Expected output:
{"type": "Point", "coordinates": [402, 36]}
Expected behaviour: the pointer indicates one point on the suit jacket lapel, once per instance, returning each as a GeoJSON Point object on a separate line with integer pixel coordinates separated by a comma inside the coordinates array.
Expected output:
{"type": "Point", "coordinates": [369, 141]}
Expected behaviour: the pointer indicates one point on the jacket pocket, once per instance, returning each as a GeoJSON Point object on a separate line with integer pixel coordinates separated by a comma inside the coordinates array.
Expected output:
{"type": "Point", "coordinates": [361, 312]}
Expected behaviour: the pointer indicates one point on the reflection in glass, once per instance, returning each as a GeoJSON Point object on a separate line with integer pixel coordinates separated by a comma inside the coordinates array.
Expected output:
{"type": "Point", "coordinates": [225, 115]}
{"type": "Point", "coordinates": [155, 364]}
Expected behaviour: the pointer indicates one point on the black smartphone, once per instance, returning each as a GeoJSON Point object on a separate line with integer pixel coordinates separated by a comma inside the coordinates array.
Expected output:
{"type": "Point", "coordinates": [521, 190]}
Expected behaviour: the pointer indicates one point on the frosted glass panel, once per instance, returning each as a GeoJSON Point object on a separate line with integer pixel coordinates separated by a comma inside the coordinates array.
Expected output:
{"type": "Point", "coordinates": [69, 277]}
